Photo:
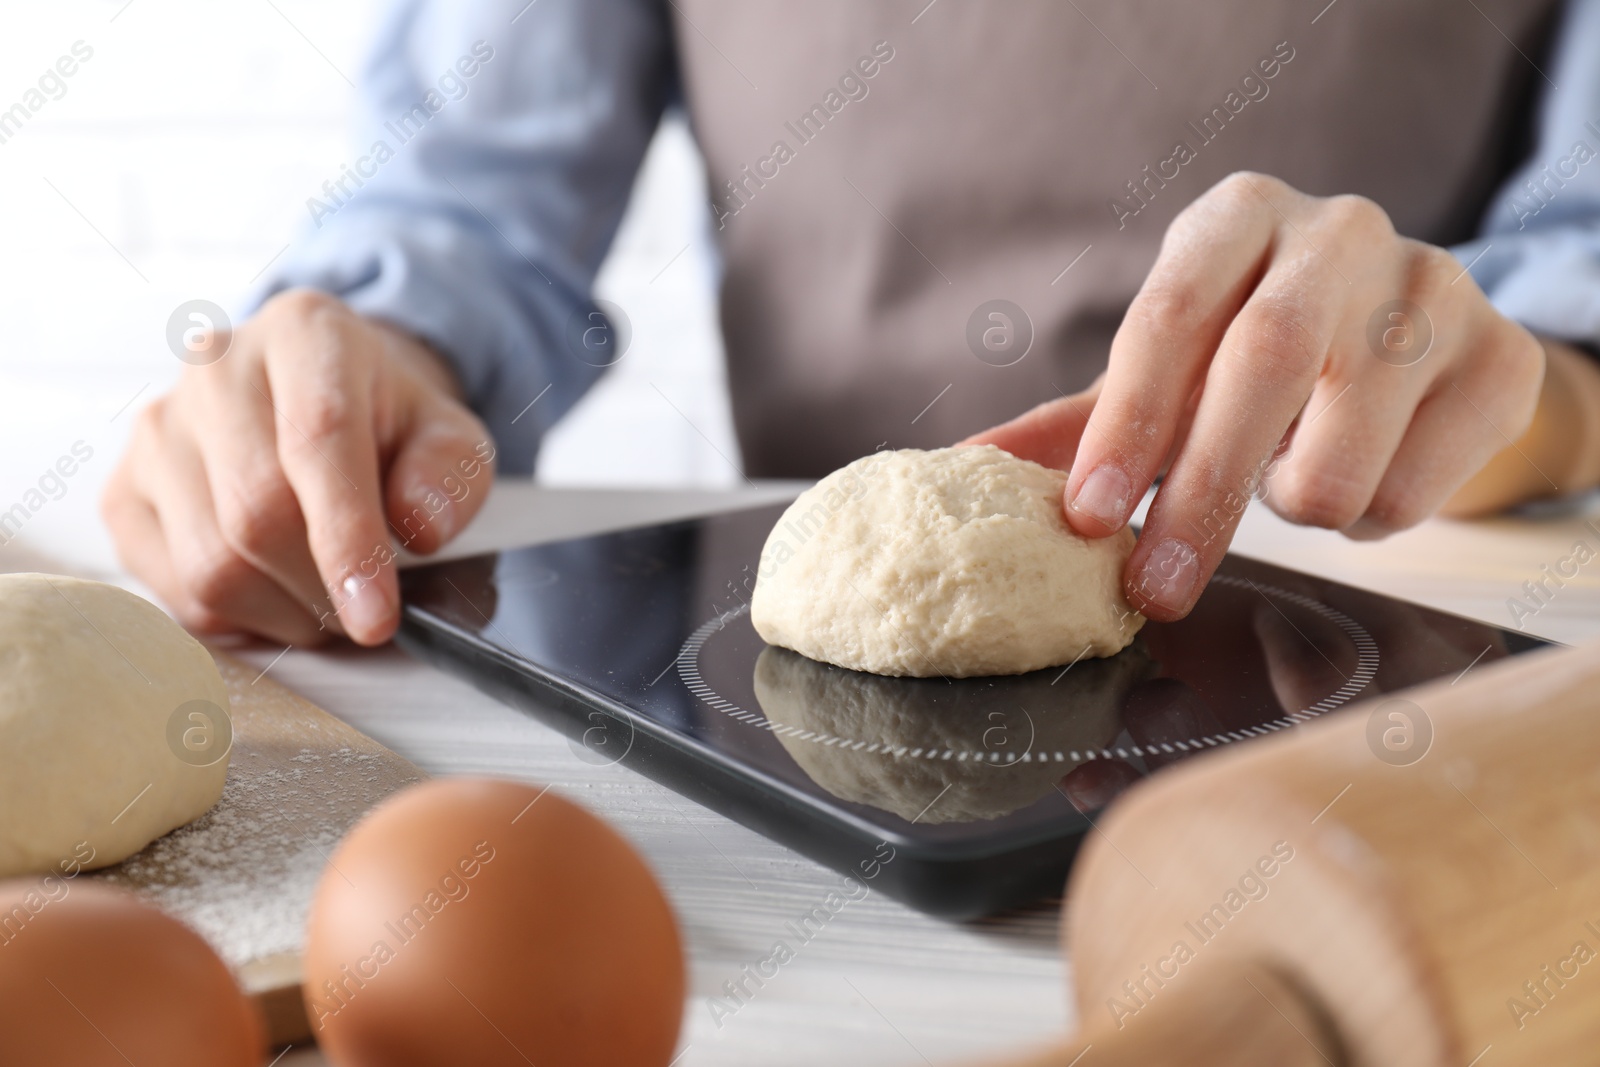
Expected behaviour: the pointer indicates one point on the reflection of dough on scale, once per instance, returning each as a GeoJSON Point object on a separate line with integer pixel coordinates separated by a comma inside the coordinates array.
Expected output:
{"type": "Point", "coordinates": [979, 718]}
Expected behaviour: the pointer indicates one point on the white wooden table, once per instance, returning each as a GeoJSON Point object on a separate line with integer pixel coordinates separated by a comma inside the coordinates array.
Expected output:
{"type": "Point", "coordinates": [882, 984]}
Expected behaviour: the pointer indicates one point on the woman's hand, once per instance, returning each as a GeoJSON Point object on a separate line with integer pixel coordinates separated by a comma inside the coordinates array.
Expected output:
{"type": "Point", "coordinates": [1292, 346]}
{"type": "Point", "coordinates": [265, 492]}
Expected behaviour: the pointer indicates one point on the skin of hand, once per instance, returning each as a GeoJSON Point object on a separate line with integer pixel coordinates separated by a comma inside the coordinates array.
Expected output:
{"type": "Point", "coordinates": [1265, 356]}
{"type": "Point", "coordinates": [265, 493]}
{"type": "Point", "coordinates": [1559, 454]}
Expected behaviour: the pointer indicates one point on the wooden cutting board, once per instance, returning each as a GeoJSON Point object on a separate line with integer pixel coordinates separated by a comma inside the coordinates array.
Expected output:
{"type": "Point", "coordinates": [243, 874]}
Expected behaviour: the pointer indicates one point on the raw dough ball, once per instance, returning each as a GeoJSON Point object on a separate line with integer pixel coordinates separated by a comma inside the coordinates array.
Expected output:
{"type": "Point", "coordinates": [955, 562]}
{"type": "Point", "coordinates": [113, 725]}
{"type": "Point", "coordinates": [1003, 733]}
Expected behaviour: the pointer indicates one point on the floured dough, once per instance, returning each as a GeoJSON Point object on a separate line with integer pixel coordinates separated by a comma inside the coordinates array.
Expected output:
{"type": "Point", "coordinates": [113, 726]}
{"type": "Point", "coordinates": [954, 562]}
{"type": "Point", "coordinates": [938, 752]}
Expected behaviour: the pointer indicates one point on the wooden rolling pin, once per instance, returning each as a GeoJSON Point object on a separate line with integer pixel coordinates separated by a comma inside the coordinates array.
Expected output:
{"type": "Point", "coordinates": [1354, 895]}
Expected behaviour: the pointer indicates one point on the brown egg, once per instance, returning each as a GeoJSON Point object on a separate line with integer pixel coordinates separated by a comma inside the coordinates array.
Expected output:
{"type": "Point", "coordinates": [489, 922]}
{"type": "Point", "coordinates": [90, 976]}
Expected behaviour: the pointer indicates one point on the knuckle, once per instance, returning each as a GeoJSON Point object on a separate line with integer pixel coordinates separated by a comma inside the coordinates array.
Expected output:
{"type": "Point", "coordinates": [1322, 498]}
{"type": "Point", "coordinates": [1504, 378]}
{"type": "Point", "coordinates": [1249, 184]}
{"type": "Point", "coordinates": [314, 324]}
{"type": "Point", "coordinates": [1358, 216]}
{"type": "Point", "coordinates": [1238, 194]}
{"type": "Point", "coordinates": [1433, 266]}
{"type": "Point", "coordinates": [1171, 307]}
{"type": "Point", "coordinates": [120, 491]}
{"type": "Point", "coordinates": [301, 305]}
{"type": "Point", "coordinates": [148, 423]}
{"type": "Point", "coordinates": [260, 510]}
{"type": "Point", "coordinates": [1431, 273]}
{"type": "Point", "coordinates": [1276, 340]}
{"type": "Point", "coordinates": [116, 501]}
{"type": "Point", "coordinates": [1392, 511]}
{"type": "Point", "coordinates": [320, 417]}
{"type": "Point", "coordinates": [197, 618]}
{"type": "Point", "coordinates": [1304, 509]}
{"type": "Point", "coordinates": [214, 577]}
{"type": "Point", "coordinates": [1516, 360]}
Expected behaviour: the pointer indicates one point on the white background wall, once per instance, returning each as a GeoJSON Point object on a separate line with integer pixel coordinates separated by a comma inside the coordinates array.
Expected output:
{"type": "Point", "coordinates": [177, 165]}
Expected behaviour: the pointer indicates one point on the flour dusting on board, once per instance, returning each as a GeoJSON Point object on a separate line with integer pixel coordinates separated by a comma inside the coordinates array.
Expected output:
{"type": "Point", "coordinates": [243, 874]}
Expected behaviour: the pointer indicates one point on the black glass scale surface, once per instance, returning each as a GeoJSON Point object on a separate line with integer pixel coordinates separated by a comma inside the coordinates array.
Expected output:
{"type": "Point", "coordinates": [959, 797]}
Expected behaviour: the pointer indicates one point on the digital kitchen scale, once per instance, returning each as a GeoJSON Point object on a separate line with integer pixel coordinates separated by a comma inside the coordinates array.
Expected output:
{"type": "Point", "coordinates": [960, 798]}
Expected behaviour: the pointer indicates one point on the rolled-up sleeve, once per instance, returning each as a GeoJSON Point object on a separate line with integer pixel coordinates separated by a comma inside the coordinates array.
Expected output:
{"type": "Point", "coordinates": [497, 146]}
{"type": "Point", "coordinates": [1538, 256]}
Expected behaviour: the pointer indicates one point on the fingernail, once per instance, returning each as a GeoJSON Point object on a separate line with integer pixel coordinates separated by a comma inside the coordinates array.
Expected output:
{"type": "Point", "coordinates": [1169, 577]}
{"type": "Point", "coordinates": [366, 607]}
{"type": "Point", "coordinates": [1103, 497]}
{"type": "Point", "coordinates": [443, 521]}
{"type": "Point", "coordinates": [429, 511]}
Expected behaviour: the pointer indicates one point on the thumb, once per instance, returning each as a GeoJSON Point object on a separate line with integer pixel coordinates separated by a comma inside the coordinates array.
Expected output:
{"type": "Point", "coordinates": [440, 475]}
{"type": "Point", "coordinates": [1047, 434]}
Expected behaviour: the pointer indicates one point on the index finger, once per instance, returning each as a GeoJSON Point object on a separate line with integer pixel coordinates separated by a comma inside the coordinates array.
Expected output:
{"type": "Point", "coordinates": [1209, 262]}
{"type": "Point", "coordinates": [1269, 361]}
{"type": "Point", "coordinates": [321, 387]}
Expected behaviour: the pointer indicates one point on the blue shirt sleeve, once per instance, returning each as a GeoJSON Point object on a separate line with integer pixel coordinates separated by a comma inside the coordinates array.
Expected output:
{"type": "Point", "coordinates": [1538, 256]}
{"type": "Point", "coordinates": [498, 144]}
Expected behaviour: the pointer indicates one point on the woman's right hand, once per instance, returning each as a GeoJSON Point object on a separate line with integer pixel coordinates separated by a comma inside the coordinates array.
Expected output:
{"type": "Point", "coordinates": [265, 493]}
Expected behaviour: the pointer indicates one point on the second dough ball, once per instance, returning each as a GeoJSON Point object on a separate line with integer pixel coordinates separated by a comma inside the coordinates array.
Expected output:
{"type": "Point", "coordinates": [114, 725]}
{"type": "Point", "coordinates": [955, 562]}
